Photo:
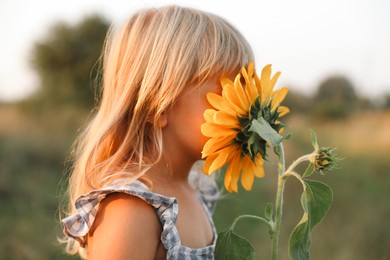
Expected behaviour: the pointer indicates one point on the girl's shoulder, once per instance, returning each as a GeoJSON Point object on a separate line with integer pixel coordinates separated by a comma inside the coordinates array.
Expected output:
{"type": "Point", "coordinates": [126, 227]}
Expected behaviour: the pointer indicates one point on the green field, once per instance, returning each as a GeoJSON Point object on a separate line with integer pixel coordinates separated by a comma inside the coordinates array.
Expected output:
{"type": "Point", "coordinates": [33, 149]}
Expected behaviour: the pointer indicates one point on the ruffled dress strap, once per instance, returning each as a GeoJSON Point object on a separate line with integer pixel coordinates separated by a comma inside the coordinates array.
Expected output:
{"type": "Point", "coordinates": [78, 225]}
{"type": "Point", "coordinates": [207, 188]}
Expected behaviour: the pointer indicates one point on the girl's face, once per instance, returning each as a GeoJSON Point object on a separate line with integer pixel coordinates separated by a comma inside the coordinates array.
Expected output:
{"type": "Point", "coordinates": [186, 117]}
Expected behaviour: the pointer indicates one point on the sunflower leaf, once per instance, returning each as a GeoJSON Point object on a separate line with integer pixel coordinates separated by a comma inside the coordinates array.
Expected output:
{"type": "Point", "coordinates": [288, 136]}
{"type": "Point", "coordinates": [314, 139]}
{"type": "Point", "coordinates": [265, 131]}
{"type": "Point", "coordinates": [250, 143]}
{"type": "Point", "coordinates": [232, 246]}
{"type": "Point", "coordinates": [268, 211]}
{"type": "Point", "coordinates": [310, 169]}
{"type": "Point", "coordinates": [316, 200]}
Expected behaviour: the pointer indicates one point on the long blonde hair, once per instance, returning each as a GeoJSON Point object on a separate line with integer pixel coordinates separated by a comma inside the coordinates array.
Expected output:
{"type": "Point", "coordinates": [147, 63]}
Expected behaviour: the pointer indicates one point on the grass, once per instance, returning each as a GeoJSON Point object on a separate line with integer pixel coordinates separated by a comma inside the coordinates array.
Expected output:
{"type": "Point", "coordinates": [33, 151]}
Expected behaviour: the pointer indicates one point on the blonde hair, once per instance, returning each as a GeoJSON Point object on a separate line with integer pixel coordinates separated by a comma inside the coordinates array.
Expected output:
{"type": "Point", "coordinates": [147, 63]}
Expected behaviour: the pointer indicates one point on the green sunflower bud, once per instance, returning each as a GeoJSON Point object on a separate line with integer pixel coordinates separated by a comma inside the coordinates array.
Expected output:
{"type": "Point", "coordinates": [324, 160]}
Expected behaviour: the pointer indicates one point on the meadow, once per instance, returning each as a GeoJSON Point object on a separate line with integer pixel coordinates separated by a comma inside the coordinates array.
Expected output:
{"type": "Point", "coordinates": [35, 146]}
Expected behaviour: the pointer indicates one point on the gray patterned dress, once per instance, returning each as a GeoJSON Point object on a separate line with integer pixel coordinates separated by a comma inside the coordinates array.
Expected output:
{"type": "Point", "coordinates": [77, 225]}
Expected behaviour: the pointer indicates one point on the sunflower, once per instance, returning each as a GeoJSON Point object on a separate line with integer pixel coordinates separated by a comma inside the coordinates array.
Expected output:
{"type": "Point", "coordinates": [229, 125]}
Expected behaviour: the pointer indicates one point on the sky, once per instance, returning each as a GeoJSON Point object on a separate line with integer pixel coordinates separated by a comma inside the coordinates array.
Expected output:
{"type": "Point", "coordinates": [307, 41]}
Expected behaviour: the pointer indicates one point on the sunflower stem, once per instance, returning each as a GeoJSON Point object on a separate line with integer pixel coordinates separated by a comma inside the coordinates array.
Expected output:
{"type": "Point", "coordinates": [296, 175]}
{"type": "Point", "coordinates": [279, 202]}
{"type": "Point", "coordinates": [297, 162]}
{"type": "Point", "coordinates": [252, 217]}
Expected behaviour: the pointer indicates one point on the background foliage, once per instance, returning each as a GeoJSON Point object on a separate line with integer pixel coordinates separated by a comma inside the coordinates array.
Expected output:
{"type": "Point", "coordinates": [36, 135]}
{"type": "Point", "coordinates": [67, 62]}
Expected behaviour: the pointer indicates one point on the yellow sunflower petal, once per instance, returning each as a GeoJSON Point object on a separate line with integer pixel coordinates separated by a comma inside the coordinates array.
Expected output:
{"type": "Point", "coordinates": [258, 85]}
{"type": "Point", "coordinates": [230, 95]}
{"type": "Point", "coordinates": [219, 161]}
{"type": "Point", "coordinates": [224, 118]}
{"type": "Point", "coordinates": [252, 93]}
{"type": "Point", "coordinates": [227, 180]}
{"type": "Point", "coordinates": [235, 168]}
{"type": "Point", "coordinates": [229, 151]}
{"type": "Point", "coordinates": [214, 130]}
{"type": "Point", "coordinates": [234, 181]}
{"type": "Point", "coordinates": [274, 79]}
{"type": "Point", "coordinates": [208, 115]}
{"type": "Point", "coordinates": [214, 144]}
{"type": "Point", "coordinates": [219, 103]}
{"type": "Point", "coordinates": [283, 111]}
{"type": "Point", "coordinates": [251, 69]}
{"type": "Point", "coordinates": [278, 96]}
{"type": "Point", "coordinates": [241, 95]}
{"type": "Point", "coordinates": [247, 176]}
{"type": "Point", "coordinates": [265, 83]}
{"type": "Point", "coordinates": [245, 75]}
{"type": "Point", "coordinates": [225, 81]}
{"type": "Point", "coordinates": [228, 177]}
{"type": "Point", "coordinates": [259, 167]}
{"type": "Point", "coordinates": [259, 172]}
{"type": "Point", "coordinates": [209, 160]}
{"type": "Point", "coordinates": [250, 89]}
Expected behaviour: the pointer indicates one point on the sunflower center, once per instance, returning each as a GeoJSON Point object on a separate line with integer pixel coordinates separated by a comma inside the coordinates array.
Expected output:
{"type": "Point", "coordinates": [251, 143]}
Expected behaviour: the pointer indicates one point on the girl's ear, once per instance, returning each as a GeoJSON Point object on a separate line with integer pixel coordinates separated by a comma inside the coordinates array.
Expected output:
{"type": "Point", "coordinates": [163, 120]}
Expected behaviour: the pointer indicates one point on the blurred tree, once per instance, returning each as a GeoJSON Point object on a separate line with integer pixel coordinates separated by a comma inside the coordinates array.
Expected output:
{"type": "Point", "coordinates": [67, 63]}
{"type": "Point", "coordinates": [382, 102]}
{"type": "Point", "coordinates": [297, 102]}
{"type": "Point", "coordinates": [335, 98]}
{"type": "Point", "coordinates": [386, 103]}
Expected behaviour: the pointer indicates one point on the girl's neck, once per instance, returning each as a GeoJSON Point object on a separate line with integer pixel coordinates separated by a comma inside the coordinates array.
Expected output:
{"type": "Point", "coordinates": [170, 173]}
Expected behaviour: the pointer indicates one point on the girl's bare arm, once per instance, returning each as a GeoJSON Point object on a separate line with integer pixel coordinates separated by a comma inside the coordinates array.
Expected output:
{"type": "Point", "coordinates": [125, 227]}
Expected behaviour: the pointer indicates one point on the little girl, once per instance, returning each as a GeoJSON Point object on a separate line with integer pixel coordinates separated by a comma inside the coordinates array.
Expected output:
{"type": "Point", "coordinates": [130, 193]}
